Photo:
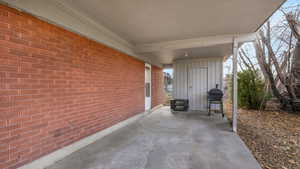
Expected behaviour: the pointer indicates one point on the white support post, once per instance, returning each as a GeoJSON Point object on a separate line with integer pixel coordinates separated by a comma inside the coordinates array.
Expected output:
{"type": "Point", "coordinates": [234, 86]}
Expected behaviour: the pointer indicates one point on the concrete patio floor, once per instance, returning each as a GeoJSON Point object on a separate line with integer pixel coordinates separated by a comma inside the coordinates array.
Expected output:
{"type": "Point", "coordinates": [162, 140]}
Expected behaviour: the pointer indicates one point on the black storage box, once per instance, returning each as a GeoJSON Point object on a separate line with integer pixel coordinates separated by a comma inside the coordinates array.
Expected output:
{"type": "Point", "coordinates": [179, 105]}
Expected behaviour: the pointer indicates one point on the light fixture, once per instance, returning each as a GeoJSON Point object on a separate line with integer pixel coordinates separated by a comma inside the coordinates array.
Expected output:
{"type": "Point", "coordinates": [186, 54]}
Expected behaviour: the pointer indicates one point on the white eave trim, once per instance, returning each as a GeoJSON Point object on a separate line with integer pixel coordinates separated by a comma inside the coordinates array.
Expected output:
{"type": "Point", "coordinates": [57, 13]}
{"type": "Point", "coordinates": [111, 36]}
{"type": "Point", "coordinates": [192, 43]}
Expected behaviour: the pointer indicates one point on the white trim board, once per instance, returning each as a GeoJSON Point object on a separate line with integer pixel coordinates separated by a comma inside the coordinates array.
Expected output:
{"type": "Point", "coordinates": [57, 155]}
{"type": "Point", "coordinates": [148, 79]}
{"type": "Point", "coordinates": [196, 42]}
{"type": "Point", "coordinates": [54, 12]}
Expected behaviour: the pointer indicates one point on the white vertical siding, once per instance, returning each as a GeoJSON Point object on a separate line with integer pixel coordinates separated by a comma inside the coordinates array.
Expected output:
{"type": "Point", "coordinates": [215, 72]}
{"type": "Point", "coordinates": [210, 73]}
{"type": "Point", "coordinates": [180, 81]}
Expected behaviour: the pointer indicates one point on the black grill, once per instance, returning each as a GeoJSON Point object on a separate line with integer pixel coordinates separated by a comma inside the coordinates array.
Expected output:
{"type": "Point", "coordinates": [215, 96]}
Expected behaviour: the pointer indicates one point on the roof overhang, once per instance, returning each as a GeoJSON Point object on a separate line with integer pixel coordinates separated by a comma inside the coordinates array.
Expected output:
{"type": "Point", "coordinates": [157, 31]}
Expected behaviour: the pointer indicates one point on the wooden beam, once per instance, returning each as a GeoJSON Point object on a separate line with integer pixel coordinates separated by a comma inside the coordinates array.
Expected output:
{"type": "Point", "coordinates": [234, 86]}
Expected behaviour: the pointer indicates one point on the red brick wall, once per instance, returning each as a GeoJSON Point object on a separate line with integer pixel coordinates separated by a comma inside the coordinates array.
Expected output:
{"type": "Point", "coordinates": [158, 92]}
{"type": "Point", "coordinates": [57, 87]}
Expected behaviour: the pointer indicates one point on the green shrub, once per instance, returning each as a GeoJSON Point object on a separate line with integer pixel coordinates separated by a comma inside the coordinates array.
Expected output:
{"type": "Point", "coordinates": [251, 93]}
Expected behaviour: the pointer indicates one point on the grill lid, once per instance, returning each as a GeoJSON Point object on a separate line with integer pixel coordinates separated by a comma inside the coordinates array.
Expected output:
{"type": "Point", "coordinates": [215, 94]}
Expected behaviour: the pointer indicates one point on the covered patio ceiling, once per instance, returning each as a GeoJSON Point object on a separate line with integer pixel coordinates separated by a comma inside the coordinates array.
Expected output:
{"type": "Point", "coordinates": [143, 21]}
{"type": "Point", "coordinates": [168, 56]}
{"type": "Point", "coordinates": [158, 31]}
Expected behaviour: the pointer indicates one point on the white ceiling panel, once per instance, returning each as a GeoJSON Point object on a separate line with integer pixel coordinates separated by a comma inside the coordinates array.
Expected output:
{"type": "Point", "coordinates": [151, 21]}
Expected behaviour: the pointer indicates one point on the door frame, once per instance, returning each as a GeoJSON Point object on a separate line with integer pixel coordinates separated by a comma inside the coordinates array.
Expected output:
{"type": "Point", "coordinates": [189, 80]}
{"type": "Point", "coordinates": [148, 99]}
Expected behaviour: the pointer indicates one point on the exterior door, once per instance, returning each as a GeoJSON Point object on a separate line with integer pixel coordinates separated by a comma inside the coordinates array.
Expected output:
{"type": "Point", "coordinates": [147, 87]}
{"type": "Point", "coordinates": [197, 87]}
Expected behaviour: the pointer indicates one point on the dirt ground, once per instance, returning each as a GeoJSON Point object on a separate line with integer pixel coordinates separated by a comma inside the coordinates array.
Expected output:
{"type": "Point", "coordinates": [272, 136]}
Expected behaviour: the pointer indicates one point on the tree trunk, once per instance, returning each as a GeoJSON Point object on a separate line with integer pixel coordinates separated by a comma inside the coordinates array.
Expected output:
{"type": "Point", "coordinates": [266, 68]}
{"type": "Point", "coordinates": [296, 69]}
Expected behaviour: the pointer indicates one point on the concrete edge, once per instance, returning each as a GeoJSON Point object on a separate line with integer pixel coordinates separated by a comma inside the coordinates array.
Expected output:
{"type": "Point", "coordinates": [156, 107]}
{"type": "Point", "coordinates": [249, 151]}
{"type": "Point", "coordinates": [59, 154]}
